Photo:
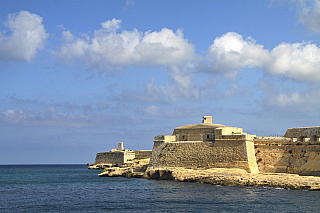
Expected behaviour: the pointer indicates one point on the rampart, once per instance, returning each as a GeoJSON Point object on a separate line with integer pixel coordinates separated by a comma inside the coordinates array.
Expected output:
{"type": "Point", "coordinates": [115, 156]}
{"type": "Point", "coordinates": [143, 154]}
{"type": "Point", "coordinates": [303, 132]}
{"type": "Point", "coordinates": [109, 158]}
{"type": "Point", "coordinates": [297, 158]}
{"type": "Point", "coordinates": [217, 154]}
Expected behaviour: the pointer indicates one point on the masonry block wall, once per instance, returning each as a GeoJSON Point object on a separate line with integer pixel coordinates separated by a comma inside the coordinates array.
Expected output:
{"type": "Point", "coordinates": [109, 158]}
{"type": "Point", "coordinates": [217, 154]}
{"type": "Point", "coordinates": [143, 154]}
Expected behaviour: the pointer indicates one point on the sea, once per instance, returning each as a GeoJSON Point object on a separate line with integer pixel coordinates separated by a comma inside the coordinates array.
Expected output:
{"type": "Point", "coordinates": [74, 188]}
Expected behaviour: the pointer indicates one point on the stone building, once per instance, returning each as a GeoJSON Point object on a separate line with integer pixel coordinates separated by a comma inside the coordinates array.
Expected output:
{"type": "Point", "coordinates": [115, 156]}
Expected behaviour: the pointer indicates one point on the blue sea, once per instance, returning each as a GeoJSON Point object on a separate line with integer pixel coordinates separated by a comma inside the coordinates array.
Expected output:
{"type": "Point", "coordinates": [74, 188]}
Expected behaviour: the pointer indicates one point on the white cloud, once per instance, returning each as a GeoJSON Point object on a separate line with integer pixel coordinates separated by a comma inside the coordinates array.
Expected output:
{"type": "Point", "coordinates": [285, 100]}
{"type": "Point", "coordinates": [129, 3]}
{"type": "Point", "coordinates": [109, 50]}
{"type": "Point", "coordinates": [309, 15]}
{"type": "Point", "coordinates": [28, 36]}
{"type": "Point", "coordinates": [298, 61]}
{"type": "Point", "coordinates": [111, 25]}
{"type": "Point", "coordinates": [230, 52]}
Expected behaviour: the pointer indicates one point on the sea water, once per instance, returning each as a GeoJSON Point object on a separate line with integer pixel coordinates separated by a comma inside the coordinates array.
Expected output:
{"type": "Point", "coordinates": [74, 188]}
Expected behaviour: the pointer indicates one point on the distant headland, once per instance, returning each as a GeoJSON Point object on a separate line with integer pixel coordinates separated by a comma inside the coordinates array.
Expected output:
{"type": "Point", "coordinates": [222, 155]}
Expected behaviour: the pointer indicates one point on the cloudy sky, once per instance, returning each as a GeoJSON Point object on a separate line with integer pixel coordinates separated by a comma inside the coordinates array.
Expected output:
{"type": "Point", "coordinates": [77, 77]}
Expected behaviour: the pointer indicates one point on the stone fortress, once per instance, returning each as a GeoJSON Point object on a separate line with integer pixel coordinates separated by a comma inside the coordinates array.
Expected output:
{"type": "Point", "coordinates": [206, 146]}
{"type": "Point", "coordinates": [119, 157]}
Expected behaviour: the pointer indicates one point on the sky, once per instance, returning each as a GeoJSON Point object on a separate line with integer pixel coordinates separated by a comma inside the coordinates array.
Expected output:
{"type": "Point", "coordinates": [77, 77]}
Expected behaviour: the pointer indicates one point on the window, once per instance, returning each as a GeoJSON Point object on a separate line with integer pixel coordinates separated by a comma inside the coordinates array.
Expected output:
{"type": "Point", "coordinates": [208, 136]}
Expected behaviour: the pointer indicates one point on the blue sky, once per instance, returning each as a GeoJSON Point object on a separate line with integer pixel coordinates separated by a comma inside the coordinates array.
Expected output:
{"type": "Point", "coordinates": [77, 77]}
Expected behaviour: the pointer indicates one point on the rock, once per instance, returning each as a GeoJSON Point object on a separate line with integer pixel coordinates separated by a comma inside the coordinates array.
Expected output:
{"type": "Point", "coordinates": [134, 169]}
{"type": "Point", "coordinates": [99, 166]}
{"type": "Point", "coordinates": [225, 177]}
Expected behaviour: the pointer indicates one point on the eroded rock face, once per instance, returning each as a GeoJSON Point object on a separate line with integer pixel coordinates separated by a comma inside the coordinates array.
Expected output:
{"type": "Point", "coordinates": [135, 169]}
{"type": "Point", "coordinates": [239, 177]}
{"type": "Point", "coordinates": [216, 176]}
{"type": "Point", "coordinates": [100, 166]}
{"type": "Point", "coordinates": [301, 159]}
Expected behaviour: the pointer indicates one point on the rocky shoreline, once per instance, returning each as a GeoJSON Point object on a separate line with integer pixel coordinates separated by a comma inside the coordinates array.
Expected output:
{"type": "Point", "coordinates": [237, 177]}
{"type": "Point", "coordinates": [219, 176]}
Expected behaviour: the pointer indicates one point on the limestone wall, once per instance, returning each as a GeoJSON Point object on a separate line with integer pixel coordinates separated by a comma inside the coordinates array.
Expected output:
{"type": "Point", "coordinates": [109, 158]}
{"type": "Point", "coordinates": [274, 141]}
{"type": "Point", "coordinates": [218, 154]}
{"type": "Point", "coordinates": [298, 159]}
{"type": "Point", "coordinates": [309, 132]}
{"type": "Point", "coordinates": [142, 154]}
{"type": "Point", "coordinates": [128, 156]}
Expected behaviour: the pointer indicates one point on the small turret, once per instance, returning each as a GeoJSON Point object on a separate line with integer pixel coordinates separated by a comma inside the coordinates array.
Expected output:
{"type": "Point", "coordinates": [207, 119]}
{"type": "Point", "coordinates": [120, 146]}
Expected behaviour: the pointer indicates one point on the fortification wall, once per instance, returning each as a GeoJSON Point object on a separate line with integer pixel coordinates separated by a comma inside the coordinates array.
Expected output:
{"type": "Point", "coordinates": [297, 159]}
{"type": "Point", "coordinates": [274, 141]}
{"type": "Point", "coordinates": [109, 158]}
{"type": "Point", "coordinates": [308, 132]}
{"type": "Point", "coordinates": [143, 154]}
{"type": "Point", "coordinates": [218, 154]}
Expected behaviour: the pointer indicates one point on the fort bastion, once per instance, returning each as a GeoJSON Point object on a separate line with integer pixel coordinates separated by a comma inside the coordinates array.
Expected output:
{"type": "Point", "coordinates": [205, 145]}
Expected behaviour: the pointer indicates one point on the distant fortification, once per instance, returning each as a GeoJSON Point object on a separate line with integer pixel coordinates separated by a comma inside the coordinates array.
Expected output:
{"type": "Point", "coordinates": [120, 157]}
{"type": "Point", "coordinates": [115, 156]}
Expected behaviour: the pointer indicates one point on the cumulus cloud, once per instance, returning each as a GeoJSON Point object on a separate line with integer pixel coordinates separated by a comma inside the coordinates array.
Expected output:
{"type": "Point", "coordinates": [109, 50]}
{"type": "Point", "coordinates": [230, 53]}
{"type": "Point", "coordinates": [309, 15]}
{"type": "Point", "coordinates": [298, 61]}
{"type": "Point", "coordinates": [27, 37]}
